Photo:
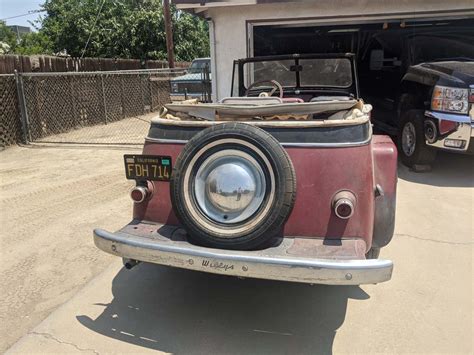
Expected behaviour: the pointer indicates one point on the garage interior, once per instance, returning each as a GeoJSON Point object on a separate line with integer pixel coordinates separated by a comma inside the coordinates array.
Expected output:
{"type": "Point", "coordinates": [384, 51]}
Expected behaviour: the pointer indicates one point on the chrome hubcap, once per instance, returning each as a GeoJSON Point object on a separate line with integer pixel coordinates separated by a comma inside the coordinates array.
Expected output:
{"type": "Point", "coordinates": [408, 139]}
{"type": "Point", "coordinates": [229, 186]}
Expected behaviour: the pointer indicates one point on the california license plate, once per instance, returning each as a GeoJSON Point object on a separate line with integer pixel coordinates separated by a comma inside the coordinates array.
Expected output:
{"type": "Point", "coordinates": [147, 167]}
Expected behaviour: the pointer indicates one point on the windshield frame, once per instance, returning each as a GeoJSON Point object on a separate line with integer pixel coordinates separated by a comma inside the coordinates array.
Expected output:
{"type": "Point", "coordinates": [238, 74]}
{"type": "Point", "coordinates": [455, 38]}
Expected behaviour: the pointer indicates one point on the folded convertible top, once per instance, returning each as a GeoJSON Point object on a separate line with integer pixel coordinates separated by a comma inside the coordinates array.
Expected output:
{"type": "Point", "coordinates": [214, 111]}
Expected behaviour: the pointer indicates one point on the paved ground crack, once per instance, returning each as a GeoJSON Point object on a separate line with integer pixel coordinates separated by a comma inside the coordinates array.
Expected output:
{"type": "Point", "coordinates": [52, 337]}
{"type": "Point", "coordinates": [433, 240]}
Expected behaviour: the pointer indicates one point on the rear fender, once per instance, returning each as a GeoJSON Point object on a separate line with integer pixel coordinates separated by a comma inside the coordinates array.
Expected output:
{"type": "Point", "coordinates": [385, 176]}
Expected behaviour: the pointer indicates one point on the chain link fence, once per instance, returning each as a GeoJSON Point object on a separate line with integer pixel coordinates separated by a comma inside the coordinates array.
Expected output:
{"type": "Point", "coordinates": [91, 107]}
{"type": "Point", "coordinates": [10, 122]}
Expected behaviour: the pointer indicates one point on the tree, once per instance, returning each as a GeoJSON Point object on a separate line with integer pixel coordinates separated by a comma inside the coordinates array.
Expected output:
{"type": "Point", "coordinates": [7, 38]}
{"type": "Point", "coordinates": [34, 43]}
{"type": "Point", "coordinates": [124, 29]}
{"type": "Point", "coordinates": [28, 44]}
{"type": "Point", "coordinates": [191, 37]}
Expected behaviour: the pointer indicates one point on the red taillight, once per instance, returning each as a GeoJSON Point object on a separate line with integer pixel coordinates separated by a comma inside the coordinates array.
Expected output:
{"type": "Point", "coordinates": [139, 194]}
{"type": "Point", "coordinates": [344, 204]}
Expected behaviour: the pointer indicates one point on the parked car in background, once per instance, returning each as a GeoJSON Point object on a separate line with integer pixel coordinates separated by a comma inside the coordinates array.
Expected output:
{"type": "Point", "coordinates": [283, 181]}
{"type": "Point", "coordinates": [195, 84]}
{"type": "Point", "coordinates": [424, 80]}
{"type": "Point", "coordinates": [436, 110]}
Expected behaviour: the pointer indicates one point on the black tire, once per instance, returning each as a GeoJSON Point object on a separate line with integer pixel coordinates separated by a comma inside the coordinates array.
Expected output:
{"type": "Point", "coordinates": [406, 102]}
{"type": "Point", "coordinates": [277, 197]}
{"type": "Point", "coordinates": [420, 154]}
{"type": "Point", "coordinates": [373, 253]}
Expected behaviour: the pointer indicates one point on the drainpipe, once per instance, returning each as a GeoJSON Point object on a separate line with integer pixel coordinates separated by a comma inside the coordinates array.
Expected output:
{"type": "Point", "coordinates": [212, 40]}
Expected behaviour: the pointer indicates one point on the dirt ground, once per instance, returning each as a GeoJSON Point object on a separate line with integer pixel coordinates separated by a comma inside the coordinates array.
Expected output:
{"type": "Point", "coordinates": [51, 198]}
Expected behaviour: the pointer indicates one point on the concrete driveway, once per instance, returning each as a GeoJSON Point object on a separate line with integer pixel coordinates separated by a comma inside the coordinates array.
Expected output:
{"type": "Point", "coordinates": [426, 308]}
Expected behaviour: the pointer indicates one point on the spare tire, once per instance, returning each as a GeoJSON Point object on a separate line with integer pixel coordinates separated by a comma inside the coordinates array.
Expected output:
{"type": "Point", "coordinates": [233, 187]}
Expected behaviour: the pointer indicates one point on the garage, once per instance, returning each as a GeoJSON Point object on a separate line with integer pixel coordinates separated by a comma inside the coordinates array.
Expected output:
{"type": "Point", "coordinates": [404, 51]}
{"type": "Point", "coordinates": [384, 51]}
{"type": "Point", "coordinates": [246, 28]}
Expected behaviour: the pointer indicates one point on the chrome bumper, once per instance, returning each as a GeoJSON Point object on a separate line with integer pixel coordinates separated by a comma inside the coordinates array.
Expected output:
{"type": "Point", "coordinates": [271, 265]}
{"type": "Point", "coordinates": [464, 131]}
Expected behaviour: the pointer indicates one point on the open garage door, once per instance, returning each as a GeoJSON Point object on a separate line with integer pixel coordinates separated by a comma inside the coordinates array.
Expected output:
{"type": "Point", "coordinates": [384, 49]}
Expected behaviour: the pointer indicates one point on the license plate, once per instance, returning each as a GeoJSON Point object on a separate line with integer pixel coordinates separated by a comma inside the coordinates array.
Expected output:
{"type": "Point", "coordinates": [147, 167]}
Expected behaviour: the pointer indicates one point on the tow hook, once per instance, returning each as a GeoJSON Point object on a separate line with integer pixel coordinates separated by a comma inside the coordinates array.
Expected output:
{"type": "Point", "coordinates": [130, 263]}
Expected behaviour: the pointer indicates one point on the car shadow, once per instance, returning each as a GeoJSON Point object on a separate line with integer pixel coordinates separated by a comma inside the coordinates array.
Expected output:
{"type": "Point", "coordinates": [187, 312]}
{"type": "Point", "coordinates": [448, 170]}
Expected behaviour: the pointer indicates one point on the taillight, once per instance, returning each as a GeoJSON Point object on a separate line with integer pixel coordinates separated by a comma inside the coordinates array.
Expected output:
{"type": "Point", "coordinates": [139, 194]}
{"type": "Point", "coordinates": [344, 203]}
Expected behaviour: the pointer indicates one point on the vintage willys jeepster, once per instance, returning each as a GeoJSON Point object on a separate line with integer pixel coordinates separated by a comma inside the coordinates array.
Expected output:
{"type": "Point", "coordinates": [283, 181]}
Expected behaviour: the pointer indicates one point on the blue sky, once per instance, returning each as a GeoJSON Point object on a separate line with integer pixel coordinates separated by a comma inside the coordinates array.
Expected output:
{"type": "Point", "coordinates": [10, 8]}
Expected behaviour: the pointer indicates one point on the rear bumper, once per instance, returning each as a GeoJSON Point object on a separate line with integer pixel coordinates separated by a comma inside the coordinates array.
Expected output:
{"type": "Point", "coordinates": [272, 264]}
{"type": "Point", "coordinates": [464, 133]}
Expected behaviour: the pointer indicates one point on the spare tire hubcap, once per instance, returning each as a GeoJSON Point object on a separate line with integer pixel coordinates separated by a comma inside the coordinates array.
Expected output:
{"type": "Point", "coordinates": [230, 186]}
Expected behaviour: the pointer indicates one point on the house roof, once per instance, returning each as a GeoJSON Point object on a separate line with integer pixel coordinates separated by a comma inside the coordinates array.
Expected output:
{"type": "Point", "coordinates": [193, 4]}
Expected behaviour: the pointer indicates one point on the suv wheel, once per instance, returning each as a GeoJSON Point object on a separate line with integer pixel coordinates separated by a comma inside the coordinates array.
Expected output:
{"type": "Point", "coordinates": [411, 140]}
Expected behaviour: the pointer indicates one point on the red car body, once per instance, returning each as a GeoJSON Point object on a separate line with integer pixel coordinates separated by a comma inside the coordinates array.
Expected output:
{"type": "Point", "coordinates": [321, 173]}
{"type": "Point", "coordinates": [334, 160]}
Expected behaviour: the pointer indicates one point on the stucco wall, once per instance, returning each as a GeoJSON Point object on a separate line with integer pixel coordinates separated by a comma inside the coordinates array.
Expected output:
{"type": "Point", "coordinates": [230, 23]}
